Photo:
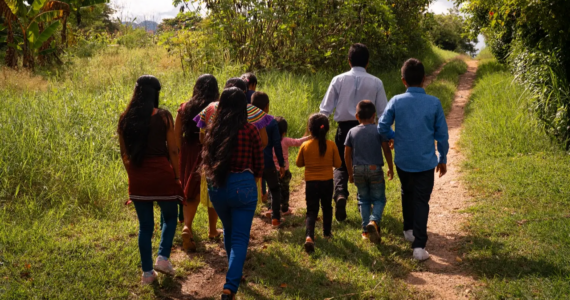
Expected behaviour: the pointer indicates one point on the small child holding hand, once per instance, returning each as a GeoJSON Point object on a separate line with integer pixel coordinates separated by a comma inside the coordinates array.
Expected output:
{"type": "Point", "coordinates": [364, 165]}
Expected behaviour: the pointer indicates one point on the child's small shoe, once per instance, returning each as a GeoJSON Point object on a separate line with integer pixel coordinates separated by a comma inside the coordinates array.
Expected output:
{"type": "Point", "coordinates": [409, 236]}
{"type": "Point", "coordinates": [365, 235]}
{"type": "Point", "coordinates": [164, 266]}
{"type": "Point", "coordinates": [309, 245]}
{"type": "Point", "coordinates": [374, 232]}
{"type": "Point", "coordinates": [147, 278]}
{"type": "Point", "coordinates": [340, 209]}
{"type": "Point", "coordinates": [275, 223]}
{"type": "Point", "coordinates": [420, 254]}
{"type": "Point", "coordinates": [287, 213]}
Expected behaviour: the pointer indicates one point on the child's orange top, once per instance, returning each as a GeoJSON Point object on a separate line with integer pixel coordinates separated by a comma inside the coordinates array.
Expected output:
{"type": "Point", "coordinates": [317, 167]}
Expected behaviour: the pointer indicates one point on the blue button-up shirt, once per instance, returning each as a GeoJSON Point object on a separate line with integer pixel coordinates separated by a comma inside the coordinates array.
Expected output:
{"type": "Point", "coordinates": [419, 121]}
{"type": "Point", "coordinates": [347, 89]}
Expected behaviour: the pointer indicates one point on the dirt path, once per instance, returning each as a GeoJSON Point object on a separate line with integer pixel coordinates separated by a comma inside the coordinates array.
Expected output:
{"type": "Point", "coordinates": [443, 276]}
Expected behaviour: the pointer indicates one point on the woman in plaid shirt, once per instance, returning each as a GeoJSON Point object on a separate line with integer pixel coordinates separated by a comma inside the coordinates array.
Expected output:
{"type": "Point", "coordinates": [233, 159]}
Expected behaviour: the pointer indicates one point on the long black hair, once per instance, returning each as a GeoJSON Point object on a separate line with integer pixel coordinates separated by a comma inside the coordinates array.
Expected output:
{"type": "Point", "coordinates": [222, 134]}
{"type": "Point", "coordinates": [134, 123]}
{"type": "Point", "coordinates": [205, 92]}
{"type": "Point", "coordinates": [319, 127]}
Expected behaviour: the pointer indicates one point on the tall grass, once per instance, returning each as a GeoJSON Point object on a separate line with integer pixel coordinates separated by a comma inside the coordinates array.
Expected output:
{"type": "Point", "coordinates": [519, 236]}
{"type": "Point", "coordinates": [65, 231]}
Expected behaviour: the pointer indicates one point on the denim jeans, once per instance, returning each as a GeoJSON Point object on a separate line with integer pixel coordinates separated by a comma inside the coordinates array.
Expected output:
{"type": "Point", "coordinates": [369, 181]}
{"type": "Point", "coordinates": [235, 204]}
{"type": "Point", "coordinates": [169, 211]}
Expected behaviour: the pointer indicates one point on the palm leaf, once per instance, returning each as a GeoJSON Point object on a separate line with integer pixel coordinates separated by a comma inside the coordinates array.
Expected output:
{"type": "Point", "coordinates": [7, 11]}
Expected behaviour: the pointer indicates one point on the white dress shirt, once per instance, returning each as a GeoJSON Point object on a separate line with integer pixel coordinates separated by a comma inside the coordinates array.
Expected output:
{"type": "Point", "coordinates": [347, 89]}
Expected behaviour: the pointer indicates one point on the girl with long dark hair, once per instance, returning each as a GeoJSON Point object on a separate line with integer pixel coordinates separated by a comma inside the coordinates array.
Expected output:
{"type": "Point", "coordinates": [233, 159]}
{"type": "Point", "coordinates": [188, 140]}
{"type": "Point", "coordinates": [319, 156]}
{"type": "Point", "coordinates": [150, 156]}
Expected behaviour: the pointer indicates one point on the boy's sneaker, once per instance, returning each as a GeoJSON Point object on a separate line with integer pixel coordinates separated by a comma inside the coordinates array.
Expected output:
{"type": "Point", "coordinates": [164, 266]}
{"type": "Point", "coordinates": [409, 236]}
{"type": "Point", "coordinates": [365, 236]}
{"type": "Point", "coordinates": [228, 295]}
{"type": "Point", "coordinates": [374, 232]}
{"type": "Point", "coordinates": [287, 213]}
{"type": "Point", "coordinates": [420, 254]}
{"type": "Point", "coordinates": [148, 279]}
{"type": "Point", "coordinates": [309, 245]}
{"type": "Point", "coordinates": [340, 209]}
{"type": "Point", "coordinates": [275, 223]}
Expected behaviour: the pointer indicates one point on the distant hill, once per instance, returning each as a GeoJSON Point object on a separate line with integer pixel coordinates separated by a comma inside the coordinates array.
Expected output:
{"type": "Point", "coordinates": [147, 25]}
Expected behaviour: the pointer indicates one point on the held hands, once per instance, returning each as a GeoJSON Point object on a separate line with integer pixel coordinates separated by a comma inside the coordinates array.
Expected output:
{"type": "Point", "coordinates": [390, 174]}
{"type": "Point", "coordinates": [442, 169]}
{"type": "Point", "coordinates": [281, 172]}
{"type": "Point", "coordinates": [391, 143]}
{"type": "Point", "coordinates": [351, 178]}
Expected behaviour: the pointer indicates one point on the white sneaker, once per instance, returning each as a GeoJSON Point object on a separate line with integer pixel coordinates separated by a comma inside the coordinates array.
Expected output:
{"type": "Point", "coordinates": [164, 266]}
{"type": "Point", "coordinates": [420, 254]}
{"type": "Point", "coordinates": [148, 279]}
{"type": "Point", "coordinates": [409, 236]}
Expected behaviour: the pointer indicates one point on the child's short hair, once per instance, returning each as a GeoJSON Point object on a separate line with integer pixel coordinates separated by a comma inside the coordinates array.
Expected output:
{"type": "Point", "coordinates": [236, 82]}
{"type": "Point", "coordinates": [365, 109]}
{"type": "Point", "coordinates": [260, 99]}
{"type": "Point", "coordinates": [413, 72]}
{"type": "Point", "coordinates": [282, 125]}
{"type": "Point", "coordinates": [358, 55]}
{"type": "Point", "coordinates": [249, 78]}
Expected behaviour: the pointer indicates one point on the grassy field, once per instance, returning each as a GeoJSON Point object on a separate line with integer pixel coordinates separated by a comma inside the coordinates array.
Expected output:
{"type": "Point", "coordinates": [519, 236]}
{"type": "Point", "coordinates": [445, 85]}
{"type": "Point", "coordinates": [65, 231]}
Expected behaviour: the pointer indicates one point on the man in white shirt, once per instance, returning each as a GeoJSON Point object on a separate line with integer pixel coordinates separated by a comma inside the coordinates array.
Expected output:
{"type": "Point", "coordinates": [344, 93]}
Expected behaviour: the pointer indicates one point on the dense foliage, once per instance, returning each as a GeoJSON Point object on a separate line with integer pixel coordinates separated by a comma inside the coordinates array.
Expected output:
{"type": "Point", "coordinates": [301, 34]}
{"type": "Point", "coordinates": [534, 38]}
{"type": "Point", "coordinates": [448, 32]}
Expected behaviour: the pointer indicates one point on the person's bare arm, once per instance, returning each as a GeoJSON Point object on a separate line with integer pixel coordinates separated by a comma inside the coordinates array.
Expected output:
{"type": "Point", "coordinates": [388, 155]}
{"type": "Point", "coordinates": [173, 149]}
{"type": "Point", "coordinates": [264, 137]}
{"type": "Point", "coordinates": [124, 155]}
{"type": "Point", "coordinates": [348, 162]}
{"type": "Point", "coordinates": [178, 131]}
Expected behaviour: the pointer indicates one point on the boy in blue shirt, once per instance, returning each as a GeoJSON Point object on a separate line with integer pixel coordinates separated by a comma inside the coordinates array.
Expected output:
{"type": "Point", "coordinates": [364, 165]}
{"type": "Point", "coordinates": [419, 122]}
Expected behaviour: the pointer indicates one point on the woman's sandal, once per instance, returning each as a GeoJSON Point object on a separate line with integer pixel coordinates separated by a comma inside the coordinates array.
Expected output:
{"type": "Point", "coordinates": [188, 243]}
{"type": "Point", "coordinates": [217, 236]}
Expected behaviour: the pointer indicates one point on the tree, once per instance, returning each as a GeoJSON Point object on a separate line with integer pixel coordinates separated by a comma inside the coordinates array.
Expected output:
{"type": "Point", "coordinates": [37, 22]}
{"type": "Point", "coordinates": [534, 38]}
{"type": "Point", "coordinates": [448, 32]}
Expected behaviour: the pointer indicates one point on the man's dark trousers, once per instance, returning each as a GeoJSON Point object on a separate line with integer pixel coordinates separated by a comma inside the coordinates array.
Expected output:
{"type": "Point", "coordinates": [416, 193]}
{"type": "Point", "coordinates": [341, 174]}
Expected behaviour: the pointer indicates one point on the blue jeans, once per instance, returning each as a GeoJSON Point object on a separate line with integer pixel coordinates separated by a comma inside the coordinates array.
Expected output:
{"type": "Point", "coordinates": [369, 181]}
{"type": "Point", "coordinates": [169, 211]}
{"type": "Point", "coordinates": [235, 204]}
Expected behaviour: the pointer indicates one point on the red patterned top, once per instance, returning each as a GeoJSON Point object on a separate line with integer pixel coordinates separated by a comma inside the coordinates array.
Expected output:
{"type": "Point", "coordinates": [248, 154]}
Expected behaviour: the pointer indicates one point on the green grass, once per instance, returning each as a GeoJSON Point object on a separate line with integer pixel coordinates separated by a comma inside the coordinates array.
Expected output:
{"type": "Point", "coordinates": [519, 236]}
{"type": "Point", "coordinates": [65, 231]}
{"type": "Point", "coordinates": [445, 85]}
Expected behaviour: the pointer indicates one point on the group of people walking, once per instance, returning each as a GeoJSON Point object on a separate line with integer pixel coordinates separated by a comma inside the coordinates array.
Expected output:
{"type": "Point", "coordinates": [223, 150]}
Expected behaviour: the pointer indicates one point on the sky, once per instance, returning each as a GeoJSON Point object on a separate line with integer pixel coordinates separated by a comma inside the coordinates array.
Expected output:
{"type": "Point", "coordinates": [157, 10]}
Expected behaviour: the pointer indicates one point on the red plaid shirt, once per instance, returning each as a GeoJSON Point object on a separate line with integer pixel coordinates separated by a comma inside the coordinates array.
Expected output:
{"type": "Point", "coordinates": [248, 154]}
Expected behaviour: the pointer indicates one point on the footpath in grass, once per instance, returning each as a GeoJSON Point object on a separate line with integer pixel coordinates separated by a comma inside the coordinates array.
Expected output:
{"type": "Point", "coordinates": [65, 231]}
{"type": "Point", "coordinates": [519, 236]}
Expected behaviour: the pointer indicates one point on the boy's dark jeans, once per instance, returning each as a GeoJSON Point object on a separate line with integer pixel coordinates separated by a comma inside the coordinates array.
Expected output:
{"type": "Point", "coordinates": [271, 176]}
{"type": "Point", "coordinates": [416, 192]}
{"type": "Point", "coordinates": [319, 192]}
{"type": "Point", "coordinates": [284, 185]}
{"type": "Point", "coordinates": [341, 174]}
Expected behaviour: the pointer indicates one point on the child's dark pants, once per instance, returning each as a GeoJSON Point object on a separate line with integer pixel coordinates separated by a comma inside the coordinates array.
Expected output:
{"type": "Point", "coordinates": [319, 192]}
{"type": "Point", "coordinates": [284, 184]}
{"type": "Point", "coordinates": [416, 193]}
{"type": "Point", "coordinates": [271, 175]}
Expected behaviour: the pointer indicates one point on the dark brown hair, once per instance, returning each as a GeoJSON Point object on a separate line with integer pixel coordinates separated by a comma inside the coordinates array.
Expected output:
{"type": "Point", "coordinates": [205, 92]}
{"type": "Point", "coordinates": [319, 127]}
{"type": "Point", "coordinates": [365, 109]}
{"type": "Point", "coordinates": [413, 72]}
{"type": "Point", "coordinates": [358, 55]}
{"type": "Point", "coordinates": [260, 100]}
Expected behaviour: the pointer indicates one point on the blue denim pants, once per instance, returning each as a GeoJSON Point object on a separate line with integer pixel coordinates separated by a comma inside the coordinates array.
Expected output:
{"type": "Point", "coordinates": [369, 180]}
{"type": "Point", "coordinates": [169, 212]}
{"type": "Point", "coordinates": [235, 204]}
